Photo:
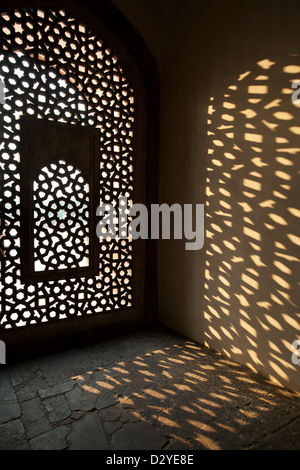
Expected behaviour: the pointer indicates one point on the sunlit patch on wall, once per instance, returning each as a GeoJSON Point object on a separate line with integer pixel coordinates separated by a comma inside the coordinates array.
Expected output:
{"type": "Point", "coordinates": [253, 217]}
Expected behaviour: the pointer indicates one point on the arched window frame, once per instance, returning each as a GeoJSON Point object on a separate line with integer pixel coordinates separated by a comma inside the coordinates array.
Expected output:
{"type": "Point", "coordinates": [141, 70]}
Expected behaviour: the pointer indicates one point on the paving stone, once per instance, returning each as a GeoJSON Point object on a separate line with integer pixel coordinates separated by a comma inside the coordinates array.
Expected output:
{"type": "Point", "coordinates": [27, 390]}
{"type": "Point", "coordinates": [63, 387]}
{"type": "Point", "coordinates": [131, 416]}
{"type": "Point", "coordinates": [61, 367]}
{"type": "Point", "coordinates": [111, 413]}
{"type": "Point", "coordinates": [285, 438]}
{"type": "Point", "coordinates": [57, 408]}
{"type": "Point", "coordinates": [9, 406]}
{"type": "Point", "coordinates": [204, 443]}
{"type": "Point", "coordinates": [127, 401]}
{"type": "Point", "coordinates": [245, 426]}
{"type": "Point", "coordinates": [76, 415]}
{"type": "Point", "coordinates": [24, 372]}
{"type": "Point", "coordinates": [88, 434]}
{"type": "Point", "coordinates": [34, 418]}
{"type": "Point", "coordinates": [172, 393]}
{"type": "Point", "coordinates": [138, 436]}
{"type": "Point", "coordinates": [176, 444]}
{"type": "Point", "coordinates": [12, 436]}
{"type": "Point", "coordinates": [111, 426]}
{"type": "Point", "coordinates": [78, 400]}
{"type": "Point", "coordinates": [149, 413]}
{"type": "Point", "coordinates": [106, 399]}
{"type": "Point", "coordinates": [52, 440]}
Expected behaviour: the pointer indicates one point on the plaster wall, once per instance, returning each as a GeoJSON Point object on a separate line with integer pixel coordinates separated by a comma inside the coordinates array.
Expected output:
{"type": "Point", "coordinates": [230, 139]}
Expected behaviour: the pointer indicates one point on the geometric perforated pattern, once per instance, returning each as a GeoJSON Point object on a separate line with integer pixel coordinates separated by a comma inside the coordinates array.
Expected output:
{"type": "Point", "coordinates": [56, 68]}
{"type": "Point", "coordinates": [61, 218]}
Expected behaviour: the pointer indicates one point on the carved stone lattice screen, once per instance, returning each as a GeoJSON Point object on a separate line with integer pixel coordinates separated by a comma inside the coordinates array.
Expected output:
{"type": "Point", "coordinates": [63, 211]}
{"type": "Point", "coordinates": [56, 69]}
{"type": "Point", "coordinates": [59, 199]}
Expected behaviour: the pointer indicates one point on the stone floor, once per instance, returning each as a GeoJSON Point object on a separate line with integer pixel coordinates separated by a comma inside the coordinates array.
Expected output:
{"type": "Point", "coordinates": [152, 390]}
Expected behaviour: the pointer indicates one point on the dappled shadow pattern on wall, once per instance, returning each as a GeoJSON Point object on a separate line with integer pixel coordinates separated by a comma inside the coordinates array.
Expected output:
{"type": "Point", "coordinates": [252, 219]}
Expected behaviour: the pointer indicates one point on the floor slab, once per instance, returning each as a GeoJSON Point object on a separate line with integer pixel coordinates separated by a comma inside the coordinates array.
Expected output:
{"type": "Point", "coordinates": [152, 390]}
